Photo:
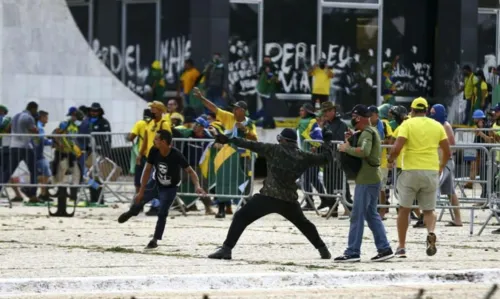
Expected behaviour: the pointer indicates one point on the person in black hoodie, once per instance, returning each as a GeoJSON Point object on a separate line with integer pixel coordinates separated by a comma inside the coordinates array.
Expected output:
{"type": "Point", "coordinates": [333, 176]}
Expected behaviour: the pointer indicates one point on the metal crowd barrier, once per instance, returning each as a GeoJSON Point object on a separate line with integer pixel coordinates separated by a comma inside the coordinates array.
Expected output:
{"type": "Point", "coordinates": [466, 181]}
{"type": "Point", "coordinates": [222, 175]}
{"type": "Point", "coordinates": [105, 168]}
{"type": "Point", "coordinates": [48, 162]}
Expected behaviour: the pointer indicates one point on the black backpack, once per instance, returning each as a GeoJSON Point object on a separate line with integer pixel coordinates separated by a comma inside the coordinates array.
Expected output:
{"type": "Point", "coordinates": [352, 165]}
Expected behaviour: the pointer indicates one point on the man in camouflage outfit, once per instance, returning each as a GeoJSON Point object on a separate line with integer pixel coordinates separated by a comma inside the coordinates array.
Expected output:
{"type": "Point", "coordinates": [285, 164]}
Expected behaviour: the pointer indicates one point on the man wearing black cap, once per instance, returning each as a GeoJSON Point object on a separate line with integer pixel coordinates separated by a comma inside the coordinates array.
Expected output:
{"type": "Point", "coordinates": [236, 125]}
{"type": "Point", "coordinates": [367, 190]}
{"type": "Point", "coordinates": [333, 177]}
{"type": "Point", "coordinates": [285, 164]}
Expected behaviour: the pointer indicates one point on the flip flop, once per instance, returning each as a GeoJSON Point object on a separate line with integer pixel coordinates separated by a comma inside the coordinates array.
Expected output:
{"type": "Point", "coordinates": [451, 223]}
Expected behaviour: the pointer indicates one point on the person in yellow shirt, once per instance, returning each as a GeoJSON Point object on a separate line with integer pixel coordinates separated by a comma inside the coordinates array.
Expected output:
{"type": "Point", "coordinates": [157, 123]}
{"type": "Point", "coordinates": [421, 138]}
{"type": "Point", "coordinates": [480, 92]}
{"type": "Point", "coordinates": [322, 77]}
{"type": "Point", "coordinates": [469, 86]}
{"type": "Point", "coordinates": [188, 80]}
{"type": "Point", "coordinates": [236, 124]}
{"type": "Point", "coordinates": [139, 131]}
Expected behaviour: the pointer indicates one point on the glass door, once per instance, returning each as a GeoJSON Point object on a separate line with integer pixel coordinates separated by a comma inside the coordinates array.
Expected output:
{"type": "Point", "coordinates": [140, 41]}
{"type": "Point", "coordinates": [487, 38]}
{"type": "Point", "coordinates": [245, 50]}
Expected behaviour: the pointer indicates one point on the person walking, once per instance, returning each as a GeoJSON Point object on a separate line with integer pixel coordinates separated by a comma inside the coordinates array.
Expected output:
{"type": "Point", "coordinates": [447, 182]}
{"type": "Point", "coordinates": [367, 190]}
{"type": "Point", "coordinates": [421, 137]}
{"type": "Point", "coordinates": [285, 164]}
{"type": "Point", "coordinates": [167, 162]}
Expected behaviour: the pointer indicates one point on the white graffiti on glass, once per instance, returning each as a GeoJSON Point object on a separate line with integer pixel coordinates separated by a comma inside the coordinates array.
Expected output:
{"type": "Point", "coordinates": [293, 61]}
{"type": "Point", "coordinates": [410, 76]}
{"type": "Point", "coordinates": [173, 52]}
{"type": "Point", "coordinates": [242, 68]}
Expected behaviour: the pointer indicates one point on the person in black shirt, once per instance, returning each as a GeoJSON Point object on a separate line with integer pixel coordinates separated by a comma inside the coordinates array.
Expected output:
{"type": "Point", "coordinates": [285, 164]}
{"type": "Point", "coordinates": [167, 162]}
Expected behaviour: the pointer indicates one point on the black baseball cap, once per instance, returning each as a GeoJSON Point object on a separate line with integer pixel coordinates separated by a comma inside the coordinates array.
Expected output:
{"type": "Point", "coordinates": [361, 110]}
{"type": "Point", "coordinates": [241, 104]}
{"type": "Point", "coordinates": [373, 109]}
{"type": "Point", "coordinates": [288, 134]}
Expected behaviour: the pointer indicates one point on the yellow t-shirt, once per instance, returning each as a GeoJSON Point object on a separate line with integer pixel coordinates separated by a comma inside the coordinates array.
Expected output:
{"type": "Point", "coordinates": [469, 86]}
{"type": "Point", "coordinates": [484, 87]}
{"type": "Point", "coordinates": [388, 129]}
{"type": "Point", "coordinates": [399, 160]}
{"type": "Point", "coordinates": [151, 130]}
{"type": "Point", "coordinates": [321, 81]}
{"type": "Point", "coordinates": [497, 132]}
{"type": "Point", "coordinates": [423, 136]}
{"type": "Point", "coordinates": [139, 129]}
{"type": "Point", "coordinates": [188, 79]}
{"type": "Point", "coordinates": [228, 121]}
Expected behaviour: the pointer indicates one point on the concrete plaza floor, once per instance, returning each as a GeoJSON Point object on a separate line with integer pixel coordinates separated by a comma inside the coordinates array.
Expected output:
{"type": "Point", "coordinates": [39, 254]}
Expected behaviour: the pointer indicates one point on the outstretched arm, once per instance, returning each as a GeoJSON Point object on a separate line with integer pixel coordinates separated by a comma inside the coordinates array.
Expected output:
{"type": "Point", "coordinates": [263, 149]}
{"type": "Point", "coordinates": [325, 157]}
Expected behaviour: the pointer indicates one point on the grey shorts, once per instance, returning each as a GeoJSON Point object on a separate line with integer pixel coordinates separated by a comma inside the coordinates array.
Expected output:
{"type": "Point", "coordinates": [447, 182]}
{"type": "Point", "coordinates": [420, 185]}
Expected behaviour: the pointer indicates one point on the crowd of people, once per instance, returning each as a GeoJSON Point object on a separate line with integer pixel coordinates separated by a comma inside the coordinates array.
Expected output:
{"type": "Point", "coordinates": [420, 156]}
{"type": "Point", "coordinates": [24, 139]}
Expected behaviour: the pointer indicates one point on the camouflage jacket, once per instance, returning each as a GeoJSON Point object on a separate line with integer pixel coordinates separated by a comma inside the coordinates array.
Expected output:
{"type": "Point", "coordinates": [285, 164]}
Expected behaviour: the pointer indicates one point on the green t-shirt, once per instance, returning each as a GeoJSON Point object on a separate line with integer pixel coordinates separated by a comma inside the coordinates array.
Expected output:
{"type": "Point", "coordinates": [369, 143]}
{"type": "Point", "coordinates": [267, 84]}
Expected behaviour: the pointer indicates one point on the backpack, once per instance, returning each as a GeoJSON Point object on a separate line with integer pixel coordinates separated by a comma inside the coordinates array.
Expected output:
{"type": "Point", "coordinates": [352, 165]}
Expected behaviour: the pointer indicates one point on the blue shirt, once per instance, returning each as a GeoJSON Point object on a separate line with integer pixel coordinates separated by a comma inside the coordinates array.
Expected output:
{"type": "Point", "coordinates": [380, 128]}
{"type": "Point", "coordinates": [40, 143]}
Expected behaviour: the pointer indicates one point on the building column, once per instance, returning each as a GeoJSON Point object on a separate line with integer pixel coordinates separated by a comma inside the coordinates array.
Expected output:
{"type": "Point", "coordinates": [209, 30]}
{"type": "Point", "coordinates": [456, 46]}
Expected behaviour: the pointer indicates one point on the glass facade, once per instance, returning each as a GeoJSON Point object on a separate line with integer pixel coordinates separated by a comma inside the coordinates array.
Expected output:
{"type": "Point", "coordinates": [140, 46]}
{"type": "Point", "coordinates": [408, 45]}
{"type": "Point", "coordinates": [243, 57]}
{"type": "Point", "coordinates": [487, 42]}
{"type": "Point", "coordinates": [349, 45]}
{"type": "Point", "coordinates": [357, 45]}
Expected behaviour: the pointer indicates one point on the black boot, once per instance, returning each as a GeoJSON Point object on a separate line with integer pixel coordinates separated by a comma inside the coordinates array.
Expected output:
{"type": "Point", "coordinates": [152, 212]}
{"type": "Point", "coordinates": [222, 253]}
{"type": "Point", "coordinates": [222, 211]}
{"type": "Point", "coordinates": [125, 217]}
{"type": "Point", "coordinates": [324, 253]}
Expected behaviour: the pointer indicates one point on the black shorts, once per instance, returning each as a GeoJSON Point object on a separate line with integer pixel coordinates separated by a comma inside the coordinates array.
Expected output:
{"type": "Point", "coordinates": [321, 97]}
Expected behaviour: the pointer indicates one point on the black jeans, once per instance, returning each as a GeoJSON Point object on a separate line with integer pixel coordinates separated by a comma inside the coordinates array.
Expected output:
{"type": "Point", "coordinates": [11, 157]}
{"type": "Point", "coordinates": [259, 206]}
{"type": "Point", "coordinates": [166, 197]}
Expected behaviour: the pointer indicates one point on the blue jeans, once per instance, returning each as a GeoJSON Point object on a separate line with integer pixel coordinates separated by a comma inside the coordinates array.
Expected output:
{"type": "Point", "coordinates": [265, 112]}
{"type": "Point", "coordinates": [166, 198]}
{"type": "Point", "coordinates": [365, 207]}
